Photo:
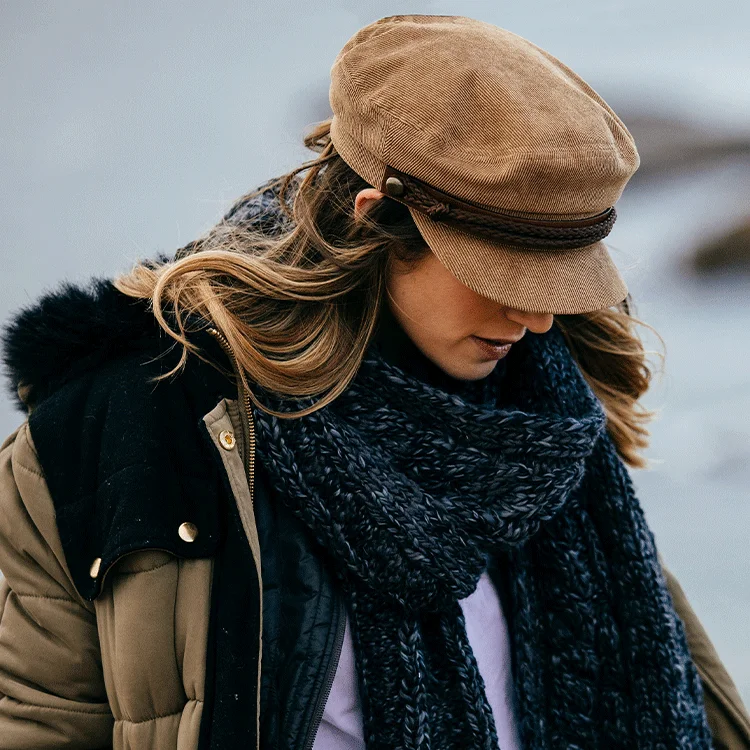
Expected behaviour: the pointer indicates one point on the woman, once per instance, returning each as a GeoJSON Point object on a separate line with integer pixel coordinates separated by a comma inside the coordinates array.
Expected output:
{"type": "Point", "coordinates": [288, 490]}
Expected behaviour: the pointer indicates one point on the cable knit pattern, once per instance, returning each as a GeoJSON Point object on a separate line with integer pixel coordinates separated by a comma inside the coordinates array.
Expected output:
{"type": "Point", "coordinates": [410, 487]}
{"type": "Point", "coordinates": [411, 479]}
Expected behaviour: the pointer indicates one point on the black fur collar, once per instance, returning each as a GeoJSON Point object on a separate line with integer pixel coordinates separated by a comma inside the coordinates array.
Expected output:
{"type": "Point", "coordinates": [69, 330]}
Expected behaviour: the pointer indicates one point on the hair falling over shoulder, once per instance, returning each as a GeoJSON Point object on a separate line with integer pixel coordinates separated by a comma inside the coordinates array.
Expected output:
{"type": "Point", "coordinates": [298, 303]}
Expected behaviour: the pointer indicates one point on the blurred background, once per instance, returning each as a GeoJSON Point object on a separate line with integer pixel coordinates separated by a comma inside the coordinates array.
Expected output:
{"type": "Point", "coordinates": [128, 127]}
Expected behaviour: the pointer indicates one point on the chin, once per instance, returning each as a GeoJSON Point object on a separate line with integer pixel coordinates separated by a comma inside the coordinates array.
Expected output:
{"type": "Point", "coordinates": [469, 370]}
{"type": "Point", "coordinates": [483, 369]}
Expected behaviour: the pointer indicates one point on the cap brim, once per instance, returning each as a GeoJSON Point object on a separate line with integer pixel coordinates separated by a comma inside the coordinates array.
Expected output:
{"type": "Point", "coordinates": [562, 282]}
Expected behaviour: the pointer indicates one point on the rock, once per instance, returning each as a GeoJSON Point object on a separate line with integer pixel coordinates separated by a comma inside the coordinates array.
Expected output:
{"type": "Point", "coordinates": [727, 253]}
{"type": "Point", "coordinates": [670, 145]}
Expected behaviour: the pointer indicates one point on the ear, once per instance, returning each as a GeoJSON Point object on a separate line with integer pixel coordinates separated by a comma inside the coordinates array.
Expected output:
{"type": "Point", "coordinates": [364, 198]}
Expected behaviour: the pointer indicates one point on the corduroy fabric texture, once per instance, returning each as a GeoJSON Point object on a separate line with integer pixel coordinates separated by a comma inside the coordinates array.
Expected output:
{"type": "Point", "coordinates": [410, 481]}
{"type": "Point", "coordinates": [489, 117]}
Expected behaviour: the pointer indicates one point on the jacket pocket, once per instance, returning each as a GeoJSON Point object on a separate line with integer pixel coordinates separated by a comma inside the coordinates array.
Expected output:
{"type": "Point", "coordinates": [152, 615]}
{"type": "Point", "coordinates": [141, 561]}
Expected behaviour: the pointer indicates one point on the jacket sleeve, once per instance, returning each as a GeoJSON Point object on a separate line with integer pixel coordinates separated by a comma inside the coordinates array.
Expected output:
{"type": "Point", "coordinates": [52, 692]}
{"type": "Point", "coordinates": [727, 716]}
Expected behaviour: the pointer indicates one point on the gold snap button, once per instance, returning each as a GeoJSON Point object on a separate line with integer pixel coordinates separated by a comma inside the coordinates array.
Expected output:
{"type": "Point", "coordinates": [394, 186]}
{"type": "Point", "coordinates": [226, 438]}
{"type": "Point", "coordinates": [188, 531]}
{"type": "Point", "coordinates": [94, 569]}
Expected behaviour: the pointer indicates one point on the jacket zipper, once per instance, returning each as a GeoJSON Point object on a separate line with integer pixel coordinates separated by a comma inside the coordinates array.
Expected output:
{"type": "Point", "coordinates": [248, 435]}
{"type": "Point", "coordinates": [249, 468]}
{"type": "Point", "coordinates": [330, 674]}
{"type": "Point", "coordinates": [248, 442]}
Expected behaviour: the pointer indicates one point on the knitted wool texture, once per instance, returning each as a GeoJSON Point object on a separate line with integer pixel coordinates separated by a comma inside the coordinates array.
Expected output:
{"type": "Point", "coordinates": [409, 486]}
{"type": "Point", "coordinates": [410, 478]}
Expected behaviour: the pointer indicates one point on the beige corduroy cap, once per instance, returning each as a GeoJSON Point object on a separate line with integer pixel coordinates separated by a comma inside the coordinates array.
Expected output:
{"type": "Point", "coordinates": [509, 163]}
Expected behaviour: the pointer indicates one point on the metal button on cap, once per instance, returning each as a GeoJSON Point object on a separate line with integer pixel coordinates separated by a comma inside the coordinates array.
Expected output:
{"type": "Point", "coordinates": [94, 569]}
{"type": "Point", "coordinates": [394, 186]}
{"type": "Point", "coordinates": [188, 531]}
{"type": "Point", "coordinates": [226, 438]}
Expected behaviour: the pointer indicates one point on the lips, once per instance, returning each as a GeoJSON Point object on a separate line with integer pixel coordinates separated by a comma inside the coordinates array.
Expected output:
{"type": "Point", "coordinates": [490, 349]}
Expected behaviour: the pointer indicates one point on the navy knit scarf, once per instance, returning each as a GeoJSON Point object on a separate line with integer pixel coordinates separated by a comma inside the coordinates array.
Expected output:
{"type": "Point", "coordinates": [412, 479]}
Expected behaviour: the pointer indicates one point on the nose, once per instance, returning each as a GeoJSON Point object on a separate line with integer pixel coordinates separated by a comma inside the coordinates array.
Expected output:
{"type": "Point", "coordinates": [535, 322]}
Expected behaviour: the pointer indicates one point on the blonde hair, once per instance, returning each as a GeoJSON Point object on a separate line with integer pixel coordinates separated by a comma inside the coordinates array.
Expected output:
{"type": "Point", "coordinates": [298, 301]}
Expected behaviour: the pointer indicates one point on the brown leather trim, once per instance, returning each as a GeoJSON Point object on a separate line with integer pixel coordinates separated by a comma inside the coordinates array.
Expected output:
{"type": "Point", "coordinates": [474, 208]}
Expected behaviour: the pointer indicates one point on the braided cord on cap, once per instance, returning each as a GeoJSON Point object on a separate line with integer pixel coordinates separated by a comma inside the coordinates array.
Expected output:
{"type": "Point", "coordinates": [534, 234]}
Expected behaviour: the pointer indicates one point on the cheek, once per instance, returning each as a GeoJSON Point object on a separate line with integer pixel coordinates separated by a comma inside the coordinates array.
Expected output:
{"type": "Point", "coordinates": [458, 310]}
{"type": "Point", "coordinates": [434, 309]}
{"type": "Point", "coordinates": [436, 306]}
{"type": "Point", "coordinates": [468, 308]}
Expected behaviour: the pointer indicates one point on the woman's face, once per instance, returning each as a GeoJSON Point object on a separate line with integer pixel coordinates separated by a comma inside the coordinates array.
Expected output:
{"type": "Point", "coordinates": [441, 315]}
